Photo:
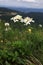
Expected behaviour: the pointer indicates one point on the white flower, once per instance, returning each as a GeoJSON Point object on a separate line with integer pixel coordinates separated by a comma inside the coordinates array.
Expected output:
{"type": "Point", "coordinates": [27, 23]}
{"type": "Point", "coordinates": [22, 20]}
{"type": "Point", "coordinates": [12, 18]}
{"type": "Point", "coordinates": [33, 21]}
{"type": "Point", "coordinates": [40, 25]}
{"type": "Point", "coordinates": [27, 20]}
{"type": "Point", "coordinates": [6, 24]}
{"type": "Point", "coordinates": [1, 41]}
{"type": "Point", "coordinates": [16, 18]}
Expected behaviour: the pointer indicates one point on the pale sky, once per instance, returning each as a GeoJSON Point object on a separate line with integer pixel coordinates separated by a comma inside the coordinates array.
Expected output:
{"type": "Point", "coordinates": [22, 3]}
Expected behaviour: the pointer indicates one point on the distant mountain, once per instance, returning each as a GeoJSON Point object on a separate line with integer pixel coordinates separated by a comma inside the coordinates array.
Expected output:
{"type": "Point", "coordinates": [6, 13]}
{"type": "Point", "coordinates": [6, 9]}
{"type": "Point", "coordinates": [26, 9]}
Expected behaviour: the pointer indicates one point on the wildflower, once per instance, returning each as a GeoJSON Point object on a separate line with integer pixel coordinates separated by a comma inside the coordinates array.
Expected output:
{"type": "Point", "coordinates": [40, 25]}
{"type": "Point", "coordinates": [30, 30]}
{"type": "Point", "coordinates": [33, 21]}
{"type": "Point", "coordinates": [1, 41]}
{"type": "Point", "coordinates": [27, 20]}
{"type": "Point", "coordinates": [6, 24]}
{"type": "Point", "coordinates": [22, 20]}
{"type": "Point", "coordinates": [27, 23]}
{"type": "Point", "coordinates": [16, 18]}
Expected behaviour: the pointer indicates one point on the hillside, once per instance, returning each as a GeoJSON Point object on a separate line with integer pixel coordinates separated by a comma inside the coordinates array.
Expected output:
{"type": "Point", "coordinates": [6, 14]}
{"type": "Point", "coordinates": [6, 11]}
{"type": "Point", "coordinates": [26, 10]}
{"type": "Point", "coordinates": [20, 44]}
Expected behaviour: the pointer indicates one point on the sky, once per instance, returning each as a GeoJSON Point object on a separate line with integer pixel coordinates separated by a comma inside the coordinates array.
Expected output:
{"type": "Point", "coordinates": [22, 3]}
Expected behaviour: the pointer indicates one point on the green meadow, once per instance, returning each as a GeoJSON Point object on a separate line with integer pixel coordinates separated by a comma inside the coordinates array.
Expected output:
{"type": "Point", "coordinates": [20, 44]}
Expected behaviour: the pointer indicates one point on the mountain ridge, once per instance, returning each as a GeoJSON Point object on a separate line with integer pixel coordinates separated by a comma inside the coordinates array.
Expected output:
{"type": "Point", "coordinates": [26, 10]}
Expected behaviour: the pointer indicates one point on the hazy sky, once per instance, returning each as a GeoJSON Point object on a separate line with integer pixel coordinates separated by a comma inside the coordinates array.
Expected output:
{"type": "Point", "coordinates": [22, 3]}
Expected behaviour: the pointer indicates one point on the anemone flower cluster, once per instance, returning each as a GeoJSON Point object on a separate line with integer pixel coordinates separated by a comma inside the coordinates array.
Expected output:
{"type": "Point", "coordinates": [26, 20]}
{"type": "Point", "coordinates": [16, 18]}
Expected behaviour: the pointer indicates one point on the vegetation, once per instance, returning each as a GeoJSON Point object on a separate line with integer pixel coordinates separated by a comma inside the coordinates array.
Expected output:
{"type": "Point", "coordinates": [20, 44]}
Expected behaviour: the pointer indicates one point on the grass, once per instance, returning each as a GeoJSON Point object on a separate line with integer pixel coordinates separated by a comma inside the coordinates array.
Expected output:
{"type": "Point", "coordinates": [18, 43]}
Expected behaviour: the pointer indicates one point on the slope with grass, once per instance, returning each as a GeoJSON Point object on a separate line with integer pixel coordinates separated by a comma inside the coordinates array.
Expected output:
{"type": "Point", "coordinates": [19, 45]}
